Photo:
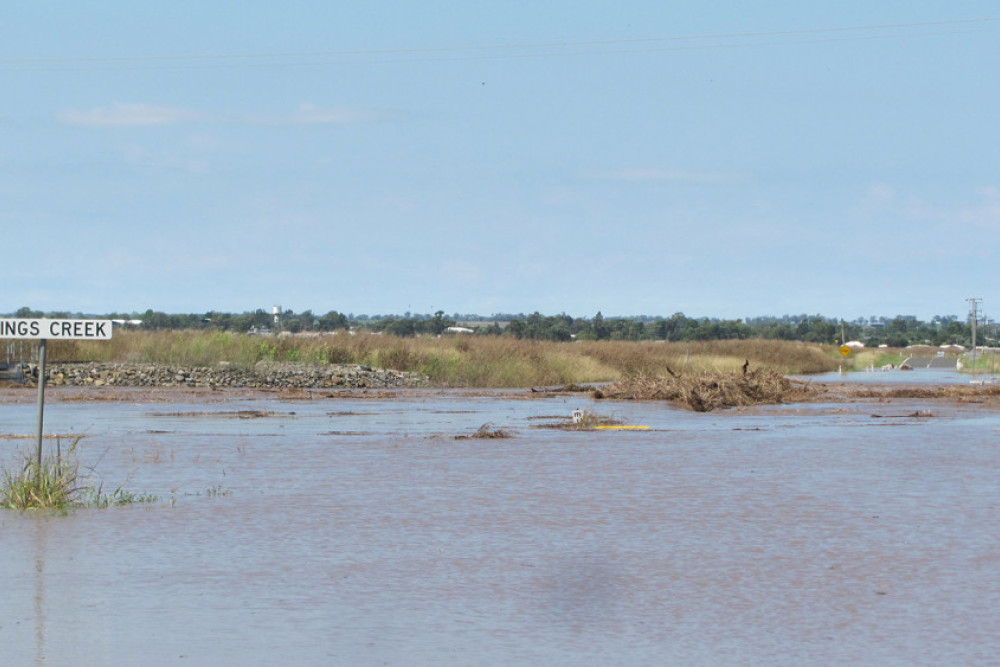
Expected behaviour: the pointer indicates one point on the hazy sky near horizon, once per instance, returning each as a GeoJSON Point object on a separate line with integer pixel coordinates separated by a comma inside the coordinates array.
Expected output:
{"type": "Point", "coordinates": [722, 159]}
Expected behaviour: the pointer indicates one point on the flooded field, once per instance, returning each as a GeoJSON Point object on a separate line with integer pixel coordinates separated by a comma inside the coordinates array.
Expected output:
{"type": "Point", "coordinates": [330, 530]}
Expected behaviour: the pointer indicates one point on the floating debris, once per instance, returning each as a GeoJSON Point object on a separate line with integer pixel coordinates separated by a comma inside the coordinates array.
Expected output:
{"type": "Point", "coordinates": [486, 432]}
{"type": "Point", "coordinates": [703, 392]}
{"type": "Point", "coordinates": [583, 420]}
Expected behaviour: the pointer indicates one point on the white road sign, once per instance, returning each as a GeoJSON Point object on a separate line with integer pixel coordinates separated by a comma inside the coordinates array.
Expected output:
{"type": "Point", "coordinates": [26, 328]}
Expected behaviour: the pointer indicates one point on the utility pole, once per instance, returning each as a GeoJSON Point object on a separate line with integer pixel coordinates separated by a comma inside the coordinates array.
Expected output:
{"type": "Point", "coordinates": [991, 344]}
{"type": "Point", "coordinates": [975, 309]}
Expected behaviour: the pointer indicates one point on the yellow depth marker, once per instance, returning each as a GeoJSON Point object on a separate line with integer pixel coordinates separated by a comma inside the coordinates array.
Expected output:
{"type": "Point", "coordinates": [622, 428]}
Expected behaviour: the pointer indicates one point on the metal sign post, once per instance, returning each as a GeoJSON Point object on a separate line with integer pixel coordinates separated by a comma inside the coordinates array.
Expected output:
{"type": "Point", "coordinates": [41, 398]}
{"type": "Point", "coordinates": [43, 330]}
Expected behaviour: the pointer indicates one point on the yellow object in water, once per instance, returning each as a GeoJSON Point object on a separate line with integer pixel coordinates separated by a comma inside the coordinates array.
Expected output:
{"type": "Point", "coordinates": [621, 427]}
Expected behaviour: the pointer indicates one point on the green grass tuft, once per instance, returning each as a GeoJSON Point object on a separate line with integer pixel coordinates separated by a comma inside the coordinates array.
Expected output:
{"type": "Point", "coordinates": [57, 484]}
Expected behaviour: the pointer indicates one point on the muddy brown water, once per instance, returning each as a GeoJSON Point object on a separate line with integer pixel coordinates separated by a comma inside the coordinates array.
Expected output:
{"type": "Point", "coordinates": [297, 530]}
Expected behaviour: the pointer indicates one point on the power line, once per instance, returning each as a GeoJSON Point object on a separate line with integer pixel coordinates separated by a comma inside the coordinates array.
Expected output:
{"type": "Point", "coordinates": [519, 50]}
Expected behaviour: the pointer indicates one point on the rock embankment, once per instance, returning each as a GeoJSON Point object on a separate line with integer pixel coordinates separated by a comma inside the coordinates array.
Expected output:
{"type": "Point", "coordinates": [264, 375]}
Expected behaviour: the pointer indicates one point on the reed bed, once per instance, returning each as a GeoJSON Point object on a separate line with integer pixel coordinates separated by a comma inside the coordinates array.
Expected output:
{"type": "Point", "coordinates": [456, 361]}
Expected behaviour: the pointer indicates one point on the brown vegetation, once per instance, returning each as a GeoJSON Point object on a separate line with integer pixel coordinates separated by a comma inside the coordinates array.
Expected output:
{"type": "Point", "coordinates": [454, 361]}
{"type": "Point", "coordinates": [964, 393]}
{"type": "Point", "coordinates": [706, 391]}
{"type": "Point", "coordinates": [651, 359]}
{"type": "Point", "coordinates": [486, 432]}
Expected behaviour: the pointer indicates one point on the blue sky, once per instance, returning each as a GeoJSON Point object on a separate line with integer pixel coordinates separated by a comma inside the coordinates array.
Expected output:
{"type": "Point", "coordinates": [722, 159]}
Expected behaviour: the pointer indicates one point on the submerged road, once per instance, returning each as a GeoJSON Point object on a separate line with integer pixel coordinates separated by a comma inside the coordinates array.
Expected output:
{"type": "Point", "coordinates": [932, 363]}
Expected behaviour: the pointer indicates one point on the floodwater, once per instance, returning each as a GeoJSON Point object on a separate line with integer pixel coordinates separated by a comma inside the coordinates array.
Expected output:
{"type": "Point", "coordinates": [897, 377]}
{"type": "Point", "coordinates": [338, 531]}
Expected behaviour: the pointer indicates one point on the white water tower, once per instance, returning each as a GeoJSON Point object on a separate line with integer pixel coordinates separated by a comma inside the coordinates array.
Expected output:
{"type": "Point", "coordinates": [276, 311]}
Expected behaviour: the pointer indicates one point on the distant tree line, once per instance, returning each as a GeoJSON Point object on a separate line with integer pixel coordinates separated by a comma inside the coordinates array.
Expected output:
{"type": "Point", "coordinates": [898, 331]}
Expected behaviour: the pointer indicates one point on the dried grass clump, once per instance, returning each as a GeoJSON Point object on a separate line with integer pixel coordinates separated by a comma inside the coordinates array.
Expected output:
{"type": "Point", "coordinates": [707, 391]}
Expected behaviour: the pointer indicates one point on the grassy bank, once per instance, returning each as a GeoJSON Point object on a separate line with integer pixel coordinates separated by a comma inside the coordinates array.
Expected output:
{"type": "Point", "coordinates": [457, 361]}
{"type": "Point", "coordinates": [984, 362]}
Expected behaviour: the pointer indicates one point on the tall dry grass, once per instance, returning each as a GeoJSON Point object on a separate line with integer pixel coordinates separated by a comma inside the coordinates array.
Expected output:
{"type": "Point", "coordinates": [458, 361]}
{"type": "Point", "coordinates": [652, 359]}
